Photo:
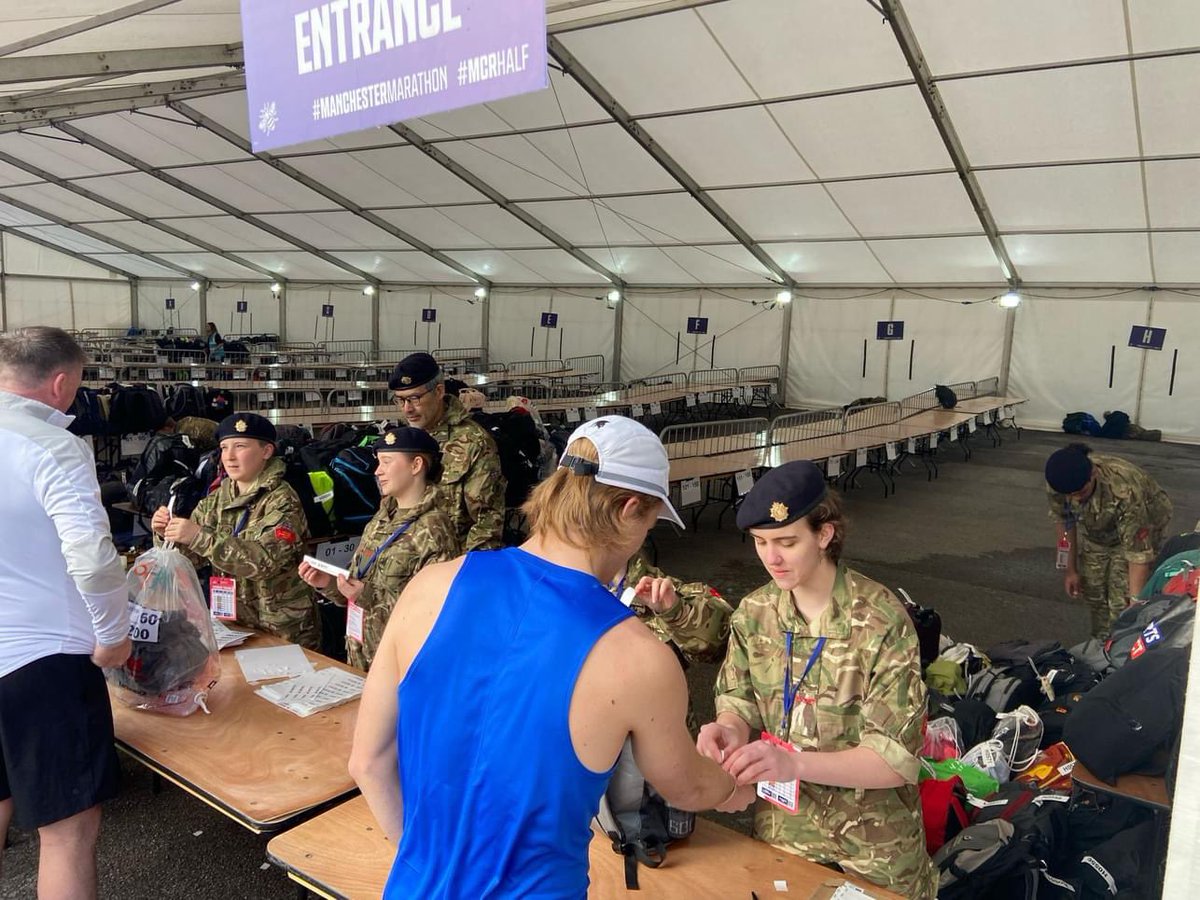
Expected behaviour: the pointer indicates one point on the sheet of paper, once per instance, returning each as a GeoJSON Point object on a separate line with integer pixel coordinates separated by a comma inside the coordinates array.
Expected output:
{"type": "Point", "coordinates": [328, 568]}
{"type": "Point", "coordinates": [689, 492]}
{"type": "Point", "coordinates": [228, 637]}
{"type": "Point", "coordinates": [265, 663]}
{"type": "Point", "coordinates": [314, 692]}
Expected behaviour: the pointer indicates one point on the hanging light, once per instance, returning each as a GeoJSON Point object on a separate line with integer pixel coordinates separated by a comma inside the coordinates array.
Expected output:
{"type": "Point", "coordinates": [784, 296]}
{"type": "Point", "coordinates": [276, 287]}
{"type": "Point", "coordinates": [1010, 300]}
{"type": "Point", "coordinates": [195, 285]}
{"type": "Point", "coordinates": [614, 296]}
{"type": "Point", "coordinates": [369, 290]}
{"type": "Point", "coordinates": [480, 292]}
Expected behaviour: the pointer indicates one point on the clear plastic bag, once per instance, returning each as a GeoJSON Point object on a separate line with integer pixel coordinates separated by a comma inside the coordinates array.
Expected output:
{"type": "Point", "coordinates": [988, 757]}
{"type": "Point", "coordinates": [1020, 735]}
{"type": "Point", "coordinates": [943, 740]}
{"type": "Point", "coordinates": [174, 662]}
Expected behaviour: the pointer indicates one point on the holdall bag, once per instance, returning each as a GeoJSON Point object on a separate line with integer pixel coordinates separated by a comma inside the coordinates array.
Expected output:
{"type": "Point", "coordinates": [135, 409]}
{"type": "Point", "coordinates": [944, 810]}
{"type": "Point", "coordinates": [928, 625]}
{"type": "Point", "coordinates": [945, 396]}
{"type": "Point", "coordinates": [88, 412]}
{"type": "Point", "coordinates": [1158, 623]}
{"type": "Point", "coordinates": [985, 861]}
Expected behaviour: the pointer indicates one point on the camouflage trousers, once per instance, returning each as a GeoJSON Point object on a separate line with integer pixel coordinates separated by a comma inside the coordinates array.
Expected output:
{"type": "Point", "coordinates": [1104, 577]}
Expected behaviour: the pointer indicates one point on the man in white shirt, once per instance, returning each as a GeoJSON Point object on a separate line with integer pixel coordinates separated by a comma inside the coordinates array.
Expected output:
{"type": "Point", "coordinates": [63, 614]}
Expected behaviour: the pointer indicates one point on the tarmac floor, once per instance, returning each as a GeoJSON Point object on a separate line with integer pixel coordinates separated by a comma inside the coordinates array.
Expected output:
{"type": "Point", "coordinates": [975, 543]}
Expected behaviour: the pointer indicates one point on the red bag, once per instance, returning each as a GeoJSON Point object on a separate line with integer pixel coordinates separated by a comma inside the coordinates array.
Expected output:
{"type": "Point", "coordinates": [944, 809]}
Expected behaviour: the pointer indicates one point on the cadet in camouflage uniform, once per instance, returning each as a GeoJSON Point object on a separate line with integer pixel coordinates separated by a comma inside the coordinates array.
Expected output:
{"type": "Point", "coordinates": [252, 529]}
{"type": "Point", "coordinates": [692, 617]}
{"type": "Point", "coordinates": [858, 700]}
{"type": "Point", "coordinates": [472, 486]}
{"type": "Point", "coordinates": [409, 532]}
{"type": "Point", "coordinates": [1114, 517]}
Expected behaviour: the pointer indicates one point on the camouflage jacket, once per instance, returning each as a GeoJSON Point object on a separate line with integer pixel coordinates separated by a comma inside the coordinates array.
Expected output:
{"type": "Point", "coordinates": [264, 556]}
{"type": "Point", "coordinates": [429, 537]}
{"type": "Point", "coordinates": [1127, 510]}
{"type": "Point", "coordinates": [866, 691]}
{"type": "Point", "coordinates": [472, 485]}
{"type": "Point", "coordinates": [698, 624]}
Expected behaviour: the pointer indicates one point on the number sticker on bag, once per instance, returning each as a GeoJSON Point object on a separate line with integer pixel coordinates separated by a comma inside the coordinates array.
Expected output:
{"type": "Point", "coordinates": [143, 624]}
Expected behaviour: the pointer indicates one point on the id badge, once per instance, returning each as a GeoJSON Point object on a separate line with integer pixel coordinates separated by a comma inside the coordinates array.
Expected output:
{"type": "Point", "coordinates": [1063, 558]}
{"type": "Point", "coordinates": [784, 794]}
{"type": "Point", "coordinates": [222, 597]}
{"type": "Point", "coordinates": [354, 621]}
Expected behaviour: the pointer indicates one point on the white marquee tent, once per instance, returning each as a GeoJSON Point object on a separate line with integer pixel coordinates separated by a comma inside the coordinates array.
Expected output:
{"type": "Point", "coordinates": [905, 160]}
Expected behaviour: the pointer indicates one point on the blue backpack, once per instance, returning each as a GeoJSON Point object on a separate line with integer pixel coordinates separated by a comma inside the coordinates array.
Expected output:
{"type": "Point", "coordinates": [1081, 423]}
{"type": "Point", "coordinates": [355, 490]}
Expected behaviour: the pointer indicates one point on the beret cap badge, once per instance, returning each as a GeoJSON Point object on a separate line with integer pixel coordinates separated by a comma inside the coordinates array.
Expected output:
{"type": "Point", "coordinates": [390, 438]}
{"type": "Point", "coordinates": [241, 426]}
{"type": "Point", "coordinates": [779, 511]}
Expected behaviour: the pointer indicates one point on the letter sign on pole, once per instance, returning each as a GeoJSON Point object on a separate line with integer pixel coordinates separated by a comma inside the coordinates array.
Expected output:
{"type": "Point", "coordinates": [889, 331]}
{"type": "Point", "coordinates": [549, 320]}
{"type": "Point", "coordinates": [327, 310]}
{"type": "Point", "coordinates": [1147, 338]}
{"type": "Point", "coordinates": [697, 325]}
{"type": "Point", "coordinates": [243, 306]}
{"type": "Point", "coordinates": [429, 315]}
{"type": "Point", "coordinates": [170, 301]}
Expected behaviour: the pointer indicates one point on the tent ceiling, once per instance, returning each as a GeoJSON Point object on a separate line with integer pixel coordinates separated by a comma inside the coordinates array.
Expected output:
{"type": "Point", "coordinates": [795, 143]}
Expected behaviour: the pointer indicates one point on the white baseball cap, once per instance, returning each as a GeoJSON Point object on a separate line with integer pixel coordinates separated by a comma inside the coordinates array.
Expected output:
{"type": "Point", "coordinates": [631, 457]}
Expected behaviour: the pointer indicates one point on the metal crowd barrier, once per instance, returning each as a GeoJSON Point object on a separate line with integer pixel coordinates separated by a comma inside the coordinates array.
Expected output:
{"type": "Point", "coordinates": [711, 438]}
{"type": "Point", "coordinates": [806, 426]}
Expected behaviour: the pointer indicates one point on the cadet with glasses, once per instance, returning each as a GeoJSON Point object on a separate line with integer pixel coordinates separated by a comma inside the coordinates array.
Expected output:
{"type": "Point", "coordinates": [472, 487]}
{"type": "Point", "coordinates": [409, 532]}
{"type": "Point", "coordinates": [824, 664]}
{"type": "Point", "coordinates": [507, 683]}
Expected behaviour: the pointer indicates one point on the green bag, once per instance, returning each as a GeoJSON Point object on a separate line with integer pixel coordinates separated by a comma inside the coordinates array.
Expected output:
{"type": "Point", "coordinates": [946, 677]}
{"type": "Point", "coordinates": [977, 783]}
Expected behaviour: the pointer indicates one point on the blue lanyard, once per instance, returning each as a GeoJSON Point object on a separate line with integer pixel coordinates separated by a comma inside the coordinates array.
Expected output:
{"type": "Point", "coordinates": [237, 529]}
{"type": "Point", "coordinates": [790, 689]}
{"type": "Point", "coordinates": [366, 567]}
{"type": "Point", "coordinates": [619, 588]}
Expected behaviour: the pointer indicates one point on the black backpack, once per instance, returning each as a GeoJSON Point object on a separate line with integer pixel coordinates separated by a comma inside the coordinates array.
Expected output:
{"type": "Point", "coordinates": [135, 409]}
{"type": "Point", "coordinates": [946, 397]}
{"type": "Point", "coordinates": [355, 490]}
{"type": "Point", "coordinates": [1130, 720]}
{"type": "Point", "coordinates": [987, 861]}
{"type": "Point", "coordinates": [1165, 620]}
{"type": "Point", "coordinates": [1011, 681]}
{"type": "Point", "coordinates": [1116, 424]}
{"type": "Point", "coordinates": [519, 449]}
{"type": "Point", "coordinates": [1039, 816]}
{"type": "Point", "coordinates": [88, 413]}
{"type": "Point", "coordinates": [928, 625]}
{"type": "Point", "coordinates": [296, 474]}
{"type": "Point", "coordinates": [218, 403]}
{"type": "Point", "coordinates": [186, 400]}
{"type": "Point", "coordinates": [165, 458]}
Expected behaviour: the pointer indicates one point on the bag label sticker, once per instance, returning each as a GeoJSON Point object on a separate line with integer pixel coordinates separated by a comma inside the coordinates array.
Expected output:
{"type": "Point", "coordinates": [784, 794]}
{"type": "Point", "coordinates": [222, 597]}
{"type": "Point", "coordinates": [143, 624]}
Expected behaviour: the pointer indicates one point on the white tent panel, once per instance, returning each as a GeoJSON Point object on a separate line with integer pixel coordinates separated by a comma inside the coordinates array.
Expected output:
{"type": "Point", "coordinates": [299, 266]}
{"type": "Point", "coordinates": [513, 167]}
{"type": "Point", "coordinates": [742, 331]}
{"type": "Point", "coordinates": [459, 320]}
{"type": "Point", "coordinates": [1163, 24]}
{"type": "Point", "coordinates": [27, 258]}
{"type": "Point", "coordinates": [64, 158]}
{"type": "Point", "coordinates": [945, 341]}
{"type": "Point", "coordinates": [351, 314]}
{"type": "Point", "coordinates": [398, 265]}
{"type": "Point", "coordinates": [1076, 258]}
{"type": "Point", "coordinates": [12, 175]}
{"type": "Point", "coordinates": [591, 222]}
{"type": "Point", "coordinates": [161, 143]}
{"type": "Point", "coordinates": [1177, 257]}
{"type": "Point", "coordinates": [602, 158]}
{"type": "Point", "coordinates": [869, 133]}
{"type": "Point", "coordinates": [229, 233]}
{"type": "Point", "coordinates": [187, 22]}
{"type": "Point", "coordinates": [60, 202]}
{"type": "Point", "coordinates": [436, 228]}
{"type": "Point", "coordinates": [148, 196]}
{"type": "Point", "coordinates": [1019, 118]}
{"type": "Point", "coordinates": [11, 216]}
{"type": "Point", "coordinates": [719, 264]}
{"type": "Point", "coordinates": [152, 307]}
{"type": "Point", "coordinates": [1066, 197]}
{"type": "Point", "coordinates": [497, 265]}
{"type": "Point", "coordinates": [668, 218]}
{"type": "Point", "coordinates": [730, 147]}
{"type": "Point", "coordinates": [1056, 382]}
{"type": "Point", "coordinates": [491, 226]}
{"type": "Point", "coordinates": [970, 37]}
{"type": "Point", "coordinates": [827, 44]}
{"type": "Point", "coordinates": [556, 266]}
{"type": "Point", "coordinates": [335, 231]}
{"type": "Point", "coordinates": [654, 333]}
{"type": "Point", "coordinates": [212, 266]}
{"type": "Point", "coordinates": [784, 213]}
{"type": "Point", "coordinates": [254, 187]}
{"type": "Point", "coordinates": [644, 264]}
{"type": "Point", "coordinates": [394, 176]}
{"type": "Point", "coordinates": [1171, 382]}
{"type": "Point", "coordinates": [660, 63]}
{"type": "Point", "coordinates": [834, 357]}
{"type": "Point", "coordinates": [920, 204]}
{"type": "Point", "coordinates": [585, 326]}
{"type": "Point", "coordinates": [262, 309]}
{"type": "Point", "coordinates": [830, 262]}
{"type": "Point", "coordinates": [1173, 192]}
{"type": "Point", "coordinates": [71, 240]}
{"type": "Point", "coordinates": [136, 265]}
{"type": "Point", "coordinates": [67, 304]}
{"type": "Point", "coordinates": [144, 237]}
{"type": "Point", "coordinates": [1167, 91]}
{"type": "Point", "coordinates": [563, 103]}
{"type": "Point", "coordinates": [953, 260]}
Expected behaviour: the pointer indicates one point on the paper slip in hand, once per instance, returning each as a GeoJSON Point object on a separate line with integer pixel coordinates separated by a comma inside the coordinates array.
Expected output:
{"type": "Point", "coordinates": [328, 568]}
{"type": "Point", "coordinates": [265, 663]}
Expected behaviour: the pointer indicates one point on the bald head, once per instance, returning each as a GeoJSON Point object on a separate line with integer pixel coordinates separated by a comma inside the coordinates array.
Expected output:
{"type": "Point", "coordinates": [41, 363]}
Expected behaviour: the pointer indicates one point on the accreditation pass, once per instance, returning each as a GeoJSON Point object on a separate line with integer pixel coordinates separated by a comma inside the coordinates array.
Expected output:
{"type": "Point", "coordinates": [784, 794]}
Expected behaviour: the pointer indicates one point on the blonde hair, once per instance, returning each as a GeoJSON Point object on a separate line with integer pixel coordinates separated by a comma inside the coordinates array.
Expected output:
{"type": "Point", "coordinates": [577, 509]}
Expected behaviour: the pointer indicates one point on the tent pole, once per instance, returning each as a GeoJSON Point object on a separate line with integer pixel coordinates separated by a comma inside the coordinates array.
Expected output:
{"type": "Point", "coordinates": [133, 303]}
{"type": "Point", "coordinates": [1010, 324]}
{"type": "Point", "coordinates": [785, 348]}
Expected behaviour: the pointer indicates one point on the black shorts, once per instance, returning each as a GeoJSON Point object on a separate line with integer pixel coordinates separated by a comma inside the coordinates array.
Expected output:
{"type": "Point", "coordinates": [57, 757]}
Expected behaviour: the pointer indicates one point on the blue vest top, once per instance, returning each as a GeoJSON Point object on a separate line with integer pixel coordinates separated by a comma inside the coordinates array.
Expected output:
{"type": "Point", "coordinates": [496, 803]}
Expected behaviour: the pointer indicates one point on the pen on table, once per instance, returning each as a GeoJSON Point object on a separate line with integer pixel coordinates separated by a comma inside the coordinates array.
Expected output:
{"type": "Point", "coordinates": [753, 896]}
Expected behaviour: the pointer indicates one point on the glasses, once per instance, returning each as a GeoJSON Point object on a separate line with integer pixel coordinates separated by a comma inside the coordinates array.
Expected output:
{"type": "Point", "coordinates": [411, 399]}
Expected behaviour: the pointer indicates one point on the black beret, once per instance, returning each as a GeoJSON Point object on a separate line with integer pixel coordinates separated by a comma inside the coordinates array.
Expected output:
{"type": "Point", "coordinates": [454, 386]}
{"type": "Point", "coordinates": [413, 371]}
{"type": "Point", "coordinates": [408, 440]}
{"type": "Point", "coordinates": [782, 496]}
{"type": "Point", "coordinates": [248, 424]}
{"type": "Point", "coordinates": [1068, 469]}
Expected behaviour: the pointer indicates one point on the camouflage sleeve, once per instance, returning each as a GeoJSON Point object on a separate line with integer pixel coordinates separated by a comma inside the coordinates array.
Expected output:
{"type": "Point", "coordinates": [482, 485]}
{"type": "Point", "coordinates": [1135, 527]}
{"type": "Point", "coordinates": [735, 688]}
{"type": "Point", "coordinates": [893, 709]}
{"type": "Point", "coordinates": [268, 545]}
{"type": "Point", "coordinates": [1059, 508]}
{"type": "Point", "coordinates": [204, 515]}
{"type": "Point", "coordinates": [698, 623]}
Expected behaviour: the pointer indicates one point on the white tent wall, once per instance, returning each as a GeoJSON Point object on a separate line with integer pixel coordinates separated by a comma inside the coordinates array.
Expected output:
{"type": "Point", "coordinates": [827, 362]}
{"type": "Point", "coordinates": [351, 314]}
{"type": "Point", "coordinates": [1171, 382]}
{"type": "Point", "coordinates": [262, 308]}
{"type": "Point", "coordinates": [459, 318]}
{"type": "Point", "coordinates": [152, 307]}
{"type": "Point", "coordinates": [21, 257]}
{"type": "Point", "coordinates": [73, 305]}
{"type": "Point", "coordinates": [955, 337]}
{"type": "Point", "coordinates": [515, 333]}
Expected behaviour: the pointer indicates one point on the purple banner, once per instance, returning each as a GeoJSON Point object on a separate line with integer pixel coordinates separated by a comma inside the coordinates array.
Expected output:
{"type": "Point", "coordinates": [315, 70]}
